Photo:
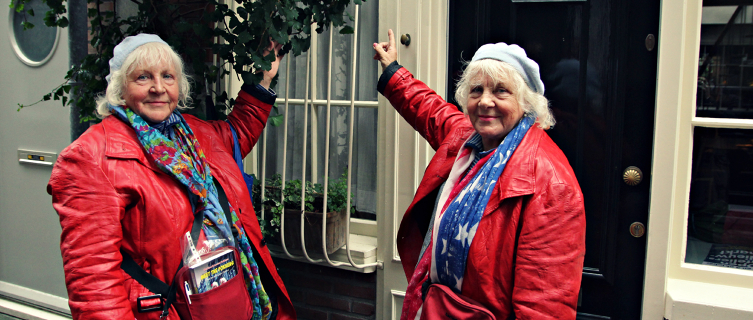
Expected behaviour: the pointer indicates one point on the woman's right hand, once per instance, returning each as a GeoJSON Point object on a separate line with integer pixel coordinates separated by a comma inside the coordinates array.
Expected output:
{"type": "Point", "coordinates": [386, 52]}
{"type": "Point", "coordinates": [271, 73]}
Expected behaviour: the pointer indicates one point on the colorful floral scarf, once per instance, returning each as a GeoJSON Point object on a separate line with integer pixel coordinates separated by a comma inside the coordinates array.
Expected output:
{"type": "Point", "coordinates": [183, 158]}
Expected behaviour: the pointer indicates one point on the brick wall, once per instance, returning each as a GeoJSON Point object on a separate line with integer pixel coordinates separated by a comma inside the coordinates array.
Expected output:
{"type": "Point", "coordinates": [326, 293]}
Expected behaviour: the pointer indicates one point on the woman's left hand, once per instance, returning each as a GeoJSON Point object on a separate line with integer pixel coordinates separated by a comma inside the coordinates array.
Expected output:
{"type": "Point", "coordinates": [386, 52]}
{"type": "Point", "coordinates": [271, 73]}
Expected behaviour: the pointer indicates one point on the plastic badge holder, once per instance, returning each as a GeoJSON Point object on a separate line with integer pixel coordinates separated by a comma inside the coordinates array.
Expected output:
{"type": "Point", "coordinates": [205, 246]}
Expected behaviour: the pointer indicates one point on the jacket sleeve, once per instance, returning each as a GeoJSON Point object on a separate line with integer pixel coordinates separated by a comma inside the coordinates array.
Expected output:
{"type": "Point", "coordinates": [249, 116]}
{"type": "Point", "coordinates": [90, 212]}
{"type": "Point", "coordinates": [433, 117]}
{"type": "Point", "coordinates": [551, 248]}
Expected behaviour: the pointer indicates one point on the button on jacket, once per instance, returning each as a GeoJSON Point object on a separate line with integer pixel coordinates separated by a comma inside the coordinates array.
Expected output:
{"type": "Point", "coordinates": [527, 256]}
{"type": "Point", "coordinates": [109, 194]}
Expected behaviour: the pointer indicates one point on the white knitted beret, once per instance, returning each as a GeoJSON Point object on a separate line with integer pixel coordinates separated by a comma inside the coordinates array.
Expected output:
{"type": "Point", "coordinates": [517, 58]}
{"type": "Point", "coordinates": [125, 47]}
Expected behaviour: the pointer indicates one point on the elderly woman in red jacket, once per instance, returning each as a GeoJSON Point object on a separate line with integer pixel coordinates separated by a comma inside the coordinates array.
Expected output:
{"type": "Point", "coordinates": [498, 217]}
{"type": "Point", "coordinates": [130, 187]}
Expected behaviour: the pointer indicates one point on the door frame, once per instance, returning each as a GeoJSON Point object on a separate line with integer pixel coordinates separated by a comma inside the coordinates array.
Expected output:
{"type": "Point", "coordinates": [402, 153]}
{"type": "Point", "coordinates": [670, 284]}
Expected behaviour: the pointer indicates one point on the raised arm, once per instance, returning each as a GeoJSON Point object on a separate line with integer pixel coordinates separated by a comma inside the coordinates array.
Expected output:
{"type": "Point", "coordinates": [433, 117]}
{"type": "Point", "coordinates": [252, 107]}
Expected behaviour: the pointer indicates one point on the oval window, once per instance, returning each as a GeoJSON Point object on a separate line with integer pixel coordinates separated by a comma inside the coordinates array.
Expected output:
{"type": "Point", "coordinates": [34, 46]}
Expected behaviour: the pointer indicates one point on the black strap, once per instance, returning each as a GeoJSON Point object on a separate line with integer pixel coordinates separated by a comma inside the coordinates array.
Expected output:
{"type": "Point", "coordinates": [144, 278]}
{"type": "Point", "coordinates": [171, 293]}
{"type": "Point", "coordinates": [198, 222]}
{"type": "Point", "coordinates": [157, 286]}
{"type": "Point", "coordinates": [151, 282]}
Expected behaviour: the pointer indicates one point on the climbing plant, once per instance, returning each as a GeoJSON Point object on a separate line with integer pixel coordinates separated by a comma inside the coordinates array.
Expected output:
{"type": "Point", "coordinates": [212, 38]}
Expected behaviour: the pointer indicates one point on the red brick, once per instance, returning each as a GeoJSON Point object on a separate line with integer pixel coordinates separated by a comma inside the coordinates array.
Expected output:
{"type": "Point", "coordinates": [318, 284]}
{"type": "Point", "coordinates": [289, 264]}
{"type": "Point", "coordinates": [337, 316]}
{"type": "Point", "coordinates": [340, 274]}
{"type": "Point", "coordinates": [106, 6]}
{"type": "Point", "coordinates": [296, 295]}
{"type": "Point", "coordinates": [309, 314]}
{"type": "Point", "coordinates": [355, 291]}
{"type": "Point", "coordinates": [316, 299]}
{"type": "Point", "coordinates": [365, 277]}
{"type": "Point", "coordinates": [366, 309]}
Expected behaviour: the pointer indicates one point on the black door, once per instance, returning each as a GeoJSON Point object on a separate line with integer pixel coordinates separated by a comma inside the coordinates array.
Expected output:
{"type": "Point", "coordinates": [599, 70]}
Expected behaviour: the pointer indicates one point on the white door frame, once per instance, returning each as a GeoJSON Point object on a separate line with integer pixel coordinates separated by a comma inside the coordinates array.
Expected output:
{"type": "Point", "coordinates": [402, 153]}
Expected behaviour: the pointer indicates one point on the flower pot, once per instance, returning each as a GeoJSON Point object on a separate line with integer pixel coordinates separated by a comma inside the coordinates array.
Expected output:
{"type": "Point", "coordinates": [336, 227]}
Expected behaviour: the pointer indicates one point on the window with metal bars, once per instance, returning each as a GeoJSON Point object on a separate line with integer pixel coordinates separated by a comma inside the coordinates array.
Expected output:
{"type": "Point", "coordinates": [328, 100]}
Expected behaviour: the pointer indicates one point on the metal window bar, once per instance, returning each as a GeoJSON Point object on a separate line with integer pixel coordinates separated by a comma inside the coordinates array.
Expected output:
{"type": "Point", "coordinates": [328, 103]}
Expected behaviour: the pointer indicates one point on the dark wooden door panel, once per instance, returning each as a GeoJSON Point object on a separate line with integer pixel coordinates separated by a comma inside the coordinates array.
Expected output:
{"type": "Point", "coordinates": [600, 80]}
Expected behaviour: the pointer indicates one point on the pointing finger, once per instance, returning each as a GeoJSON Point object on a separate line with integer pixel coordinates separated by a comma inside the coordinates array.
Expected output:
{"type": "Point", "coordinates": [392, 38]}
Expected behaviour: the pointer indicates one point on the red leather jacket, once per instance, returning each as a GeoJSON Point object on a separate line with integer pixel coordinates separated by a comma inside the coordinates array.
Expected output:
{"type": "Point", "coordinates": [536, 196]}
{"type": "Point", "coordinates": [109, 195]}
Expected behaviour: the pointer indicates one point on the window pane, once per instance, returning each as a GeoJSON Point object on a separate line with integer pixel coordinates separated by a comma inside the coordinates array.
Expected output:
{"type": "Point", "coordinates": [720, 214]}
{"type": "Point", "coordinates": [368, 69]}
{"type": "Point", "coordinates": [35, 44]}
{"type": "Point", "coordinates": [363, 154]}
{"type": "Point", "coordinates": [725, 70]}
{"type": "Point", "coordinates": [297, 77]}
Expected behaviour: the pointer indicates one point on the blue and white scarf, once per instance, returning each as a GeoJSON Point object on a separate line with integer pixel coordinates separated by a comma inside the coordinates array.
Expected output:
{"type": "Point", "coordinates": [455, 229]}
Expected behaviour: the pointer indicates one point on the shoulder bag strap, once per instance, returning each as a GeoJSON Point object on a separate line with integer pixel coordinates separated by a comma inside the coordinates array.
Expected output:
{"type": "Point", "coordinates": [236, 148]}
{"type": "Point", "coordinates": [152, 283]}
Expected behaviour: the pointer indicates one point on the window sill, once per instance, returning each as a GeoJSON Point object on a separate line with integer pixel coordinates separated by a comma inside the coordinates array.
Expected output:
{"type": "Point", "coordinates": [24, 303]}
{"type": "Point", "coordinates": [699, 300]}
{"type": "Point", "coordinates": [363, 251]}
{"type": "Point", "coordinates": [23, 311]}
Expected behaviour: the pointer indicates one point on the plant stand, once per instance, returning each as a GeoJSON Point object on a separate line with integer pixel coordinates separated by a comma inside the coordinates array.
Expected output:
{"type": "Point", "coordinates": [336, 227]}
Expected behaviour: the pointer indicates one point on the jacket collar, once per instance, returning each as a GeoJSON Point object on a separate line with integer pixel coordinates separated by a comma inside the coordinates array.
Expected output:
{"type": "Point", "coordinates": [121, 142]}
{"type": "Point", "coordinates": [517, 180]}
{"type": "Point", "coordinates": [520, 180]}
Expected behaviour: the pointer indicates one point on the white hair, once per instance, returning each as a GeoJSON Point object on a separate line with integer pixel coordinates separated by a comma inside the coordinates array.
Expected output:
{"type": "Point", "coordinates": [145, 56]}
{"type": "Point", "coordinates": [502, 73]}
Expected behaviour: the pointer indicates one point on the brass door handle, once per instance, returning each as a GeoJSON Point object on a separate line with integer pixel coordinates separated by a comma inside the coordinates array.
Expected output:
{"type": "Point", "coordinates": [632, 176]}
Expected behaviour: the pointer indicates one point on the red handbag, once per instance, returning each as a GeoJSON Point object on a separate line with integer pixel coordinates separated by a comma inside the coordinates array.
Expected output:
{"type": "Point", "coordinates": [442, 303]}
{"type": "Point", "coordinates": [229, 301]}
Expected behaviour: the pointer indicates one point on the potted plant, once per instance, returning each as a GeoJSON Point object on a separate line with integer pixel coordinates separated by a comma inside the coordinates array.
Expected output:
{"type": "Point", "coordinates": [278, 200]}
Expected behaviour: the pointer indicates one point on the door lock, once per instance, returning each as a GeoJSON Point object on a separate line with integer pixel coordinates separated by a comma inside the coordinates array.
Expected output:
{"type": "Point", "coordinates": [650, 42]}
{"type": "Point", "coordinates": [405, 39]}
{"type": "Point", "coordinates": [637, 229]}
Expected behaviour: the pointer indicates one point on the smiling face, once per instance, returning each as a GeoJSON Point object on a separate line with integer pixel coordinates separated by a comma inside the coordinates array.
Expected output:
{"type": "Point", "coordinates": [492, 109]}
{"type": "Point", "coordinates": [152, 92]}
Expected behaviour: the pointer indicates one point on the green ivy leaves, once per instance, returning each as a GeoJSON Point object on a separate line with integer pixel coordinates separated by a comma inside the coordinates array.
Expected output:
{"type": "Point", "coordinates": [203, 32]}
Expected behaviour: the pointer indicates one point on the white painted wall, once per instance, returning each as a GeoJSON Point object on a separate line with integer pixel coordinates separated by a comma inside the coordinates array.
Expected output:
{"type": "Point", "coordinates": [30, 262]}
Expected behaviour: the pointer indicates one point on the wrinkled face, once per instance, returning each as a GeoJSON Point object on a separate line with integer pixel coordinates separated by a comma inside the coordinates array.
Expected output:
{"type": "Point", "coordinates": [493, 110]}
{"type": "Point", "coordinates": [152, 92]}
